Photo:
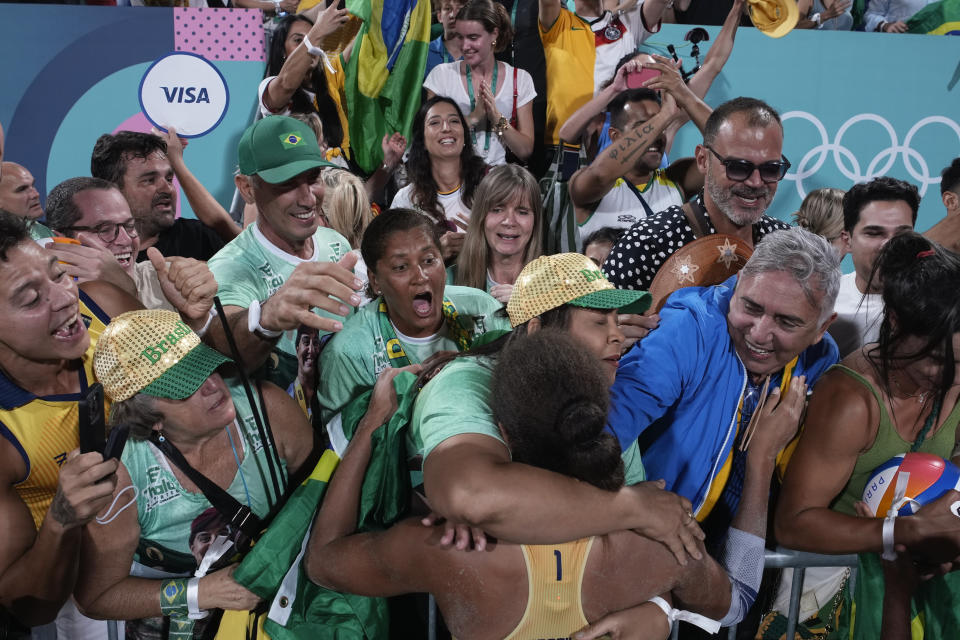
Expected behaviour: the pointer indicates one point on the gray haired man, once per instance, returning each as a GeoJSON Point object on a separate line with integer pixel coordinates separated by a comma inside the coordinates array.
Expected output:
{"type": "Point", "coordinates": [715, 393]}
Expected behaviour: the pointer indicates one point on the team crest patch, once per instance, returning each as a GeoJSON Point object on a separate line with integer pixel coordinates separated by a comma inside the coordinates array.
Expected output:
{"type": "Point", "coordinates": [290, 140]}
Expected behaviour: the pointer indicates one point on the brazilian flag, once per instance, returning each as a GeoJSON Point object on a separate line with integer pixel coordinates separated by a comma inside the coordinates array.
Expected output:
{"type": "Point", "coordinates": [934, 614]}
{"type": "Point", "coordinates": [301, 610]}
{"type": "Point", "coordinates": [939, 19]}
{"type": "Point", "coordinates": [384, 76]}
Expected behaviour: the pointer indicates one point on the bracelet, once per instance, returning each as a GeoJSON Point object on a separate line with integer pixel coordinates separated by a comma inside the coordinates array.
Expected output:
{"type": "Point", "coordinates": [193, 600]}
{"type": "Point", "coordinates": [312, 50]}
{"type": "Point", "coordinates": [816, 19]}
{"type": "Point", "coordinates": [253, 323]}
{"type": "Point", "coordinates": [206, 325]}
{"type": "Point", "coordinates": [889, 551]}
{"type": "Point", "coordinates": [173, 596]}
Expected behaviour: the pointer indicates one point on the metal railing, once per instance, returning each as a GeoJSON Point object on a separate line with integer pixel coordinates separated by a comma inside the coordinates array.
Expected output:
{"type": "Point", "coordinates": [798, 561]}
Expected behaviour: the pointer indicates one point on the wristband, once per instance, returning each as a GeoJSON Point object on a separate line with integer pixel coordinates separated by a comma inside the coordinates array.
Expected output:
{"type": "Point", "coordinates": [202, 331]}
{"type": "Point", "coordinates": [320, 53]}
{"type": "Point", "coordinates": [253, 323]}
{"type": "Point", "coordinates": [173, 596]}
{"type": "Point", "coordinates": [193, 600]}
{"type": "Point", "coordinates": [889, 551]}
{"type": "Point", "coordinates": [312, 50]}
{"type": "Point", "coordinates": [705, 623]}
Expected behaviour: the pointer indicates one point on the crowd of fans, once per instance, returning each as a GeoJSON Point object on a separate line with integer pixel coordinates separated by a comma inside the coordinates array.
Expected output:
{"type": "Point", "coordinates": [602, 460]}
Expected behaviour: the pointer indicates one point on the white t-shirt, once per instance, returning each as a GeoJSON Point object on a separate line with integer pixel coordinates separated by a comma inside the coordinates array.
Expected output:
{"type": "Point", "coordinates": [858, 316]}
{"type": "Point", "coordinates": [452, 205]}
{"type": "Point", "coordinates": [621, 209]}
{"type": "Point", "coordinates": [445, 80]}
{"type": "Point", "coordinates": [617, 35]}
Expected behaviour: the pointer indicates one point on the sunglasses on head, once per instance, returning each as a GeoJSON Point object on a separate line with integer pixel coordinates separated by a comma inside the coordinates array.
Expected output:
{"type": "Point", "coordinates": [739, 170]}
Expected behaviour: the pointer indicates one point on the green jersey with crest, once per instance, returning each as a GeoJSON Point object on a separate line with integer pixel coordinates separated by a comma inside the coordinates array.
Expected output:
{"type": "Point", "coordinates": [250, 267]}
{"type": "Point", "coordinates": [350, 364]}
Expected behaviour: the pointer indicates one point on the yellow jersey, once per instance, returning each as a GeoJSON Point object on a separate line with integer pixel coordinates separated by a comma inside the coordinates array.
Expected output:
{"type": "Point", "coordinates": [44, 429]}
{"type": "Point", "coordinates": [554, 575]}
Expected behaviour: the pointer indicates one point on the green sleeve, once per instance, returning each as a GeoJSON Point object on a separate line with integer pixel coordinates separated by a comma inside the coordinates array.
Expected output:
{"type": "Point", "coordinates": [454, 403]}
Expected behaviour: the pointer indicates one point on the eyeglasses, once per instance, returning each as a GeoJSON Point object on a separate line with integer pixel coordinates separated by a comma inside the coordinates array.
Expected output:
{"type": "Point", "coordinates": [739, 170]}
{"type": "Point", "coordinates": [108, 231]}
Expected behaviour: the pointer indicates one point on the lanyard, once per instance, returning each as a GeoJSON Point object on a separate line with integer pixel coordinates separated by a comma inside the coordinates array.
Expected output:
{"type": "Point", "coordinates": [473, 104]}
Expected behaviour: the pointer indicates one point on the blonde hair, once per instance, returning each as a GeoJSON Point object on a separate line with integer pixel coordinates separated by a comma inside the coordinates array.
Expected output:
{"type": "Point", "coordinates": [346, 204]}
{"type": "Point", "coordinates": [501, 186]}
{"type": "Point", "coordinates": [313, 121]}
{"type": "Point", "coordinates": [822, 213]}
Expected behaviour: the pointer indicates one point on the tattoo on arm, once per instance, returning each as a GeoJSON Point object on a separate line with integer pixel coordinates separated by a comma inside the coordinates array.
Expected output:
{"type": "Point", "coordinates": [61, 510]}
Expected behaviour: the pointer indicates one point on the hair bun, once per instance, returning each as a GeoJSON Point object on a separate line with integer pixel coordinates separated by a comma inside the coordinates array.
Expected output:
{"type": "Point", "coordinates": [580, 420]}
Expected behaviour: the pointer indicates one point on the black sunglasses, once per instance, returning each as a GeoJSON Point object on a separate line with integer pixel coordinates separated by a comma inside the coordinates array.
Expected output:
{"type": "Point", "coordinates": [739, 170]}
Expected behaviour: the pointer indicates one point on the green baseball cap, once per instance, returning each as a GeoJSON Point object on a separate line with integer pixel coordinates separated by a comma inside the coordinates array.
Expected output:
{"type": "Point", "coordinates": [277, 148]}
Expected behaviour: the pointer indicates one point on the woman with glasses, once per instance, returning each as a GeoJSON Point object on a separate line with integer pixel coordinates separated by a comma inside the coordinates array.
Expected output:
{"type": "Point", "coordinates": [95, 216]}
{"type": "Point", "coordinates": [742, 163]}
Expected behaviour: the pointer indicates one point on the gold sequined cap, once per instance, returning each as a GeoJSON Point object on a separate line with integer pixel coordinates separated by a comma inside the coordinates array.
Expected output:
{"type": "Point", "coordinates": [568, 278]}
{"type": "Point", "coordinates": [154, 352]}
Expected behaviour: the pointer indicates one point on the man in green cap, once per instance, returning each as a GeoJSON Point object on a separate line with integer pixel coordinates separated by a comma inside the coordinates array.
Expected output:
{"type": "Point", "coordinates": [274, 274]}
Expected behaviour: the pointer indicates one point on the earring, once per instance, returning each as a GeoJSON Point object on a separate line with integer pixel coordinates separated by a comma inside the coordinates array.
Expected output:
{"type": "Point", "coordinates": [494, 42]}
{"type": "Point", "coordinates": [160, 437]}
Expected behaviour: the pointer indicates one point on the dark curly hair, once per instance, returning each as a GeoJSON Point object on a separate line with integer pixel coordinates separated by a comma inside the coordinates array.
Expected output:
{"type": "Point", "coordinates": [13, 231]}
{"type": "Point", "coordinates": [112, 151]}
{"type": "Point", "coordinates": [550, 399]}
{"type": "Point", "coordinates": [472, 166]}
{"type": "Point", "coordinates": [325, 106]}
{"type": "Point", "coordinates": [920, 283]}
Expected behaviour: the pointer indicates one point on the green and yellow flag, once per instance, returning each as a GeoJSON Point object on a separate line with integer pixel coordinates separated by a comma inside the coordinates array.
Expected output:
{"type": "Point", "coordinates": [384, 76]}
{"type": "Point", "coordinates": [299, 609]}
{"type": "Point", "coordinates": [939, 19]}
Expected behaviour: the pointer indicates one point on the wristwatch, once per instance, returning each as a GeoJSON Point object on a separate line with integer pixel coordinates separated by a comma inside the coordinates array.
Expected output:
{"type": "Point", "coordinates": [253, 323]}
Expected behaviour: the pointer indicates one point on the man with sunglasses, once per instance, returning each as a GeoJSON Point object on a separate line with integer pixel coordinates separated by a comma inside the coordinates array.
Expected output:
{"type": "Point", "coordinates": [95, 213]}
{"type": "Point", "coordinates": [742, 163]}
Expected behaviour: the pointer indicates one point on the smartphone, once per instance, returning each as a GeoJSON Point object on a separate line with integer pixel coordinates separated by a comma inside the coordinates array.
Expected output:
{"type": "Point", "coordinates": [92, 425]}
{"type": "Point", "coordinates": [636, 79]}
{"type": "Point", "coordinates": [116, 441]}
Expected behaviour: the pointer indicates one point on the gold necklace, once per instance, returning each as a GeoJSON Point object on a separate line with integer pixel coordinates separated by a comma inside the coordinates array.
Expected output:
{"type": "Point", "coordinates": [921, 397]}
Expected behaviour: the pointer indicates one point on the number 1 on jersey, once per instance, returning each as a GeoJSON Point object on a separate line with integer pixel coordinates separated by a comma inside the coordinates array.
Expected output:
{"type": "Point", "coordinates": [556, 552]}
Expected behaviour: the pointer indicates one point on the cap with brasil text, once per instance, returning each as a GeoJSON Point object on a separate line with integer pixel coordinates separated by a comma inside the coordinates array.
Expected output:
{"type": "Point", "coordinates": [152, 352]}
{"type": "Point", "coordinates": [568, 278]}
{"type": "Point", "coordinates": [277, 148]}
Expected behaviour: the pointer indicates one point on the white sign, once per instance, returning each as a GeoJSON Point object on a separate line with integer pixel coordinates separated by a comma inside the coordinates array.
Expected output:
{"type": "Point", "coordinates": [185, 91]}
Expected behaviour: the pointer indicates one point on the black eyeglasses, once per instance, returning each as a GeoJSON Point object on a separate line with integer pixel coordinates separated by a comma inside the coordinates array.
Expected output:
{"type": "Point", "coordinates": [108, 231]}
{"type": "Point", "coordinates": [739, 170]}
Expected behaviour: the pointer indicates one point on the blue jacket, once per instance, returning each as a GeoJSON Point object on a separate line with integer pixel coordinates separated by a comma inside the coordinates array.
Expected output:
{"type": "Point", "coordinates": [679, 388]}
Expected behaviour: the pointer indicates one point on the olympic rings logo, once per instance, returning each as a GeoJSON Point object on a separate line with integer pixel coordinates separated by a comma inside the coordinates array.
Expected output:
{"type": "Point", "coordinates": [847, 162]}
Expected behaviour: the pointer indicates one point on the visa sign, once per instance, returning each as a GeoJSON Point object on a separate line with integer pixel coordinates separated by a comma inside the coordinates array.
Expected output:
{"type": "Point", "coordinates": [186, 91]}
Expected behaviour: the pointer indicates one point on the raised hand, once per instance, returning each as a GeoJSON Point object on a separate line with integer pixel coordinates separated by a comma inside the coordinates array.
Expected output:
{"type": "Point", "coordinates": [188, 284]}
{"type": "Point", "coordinates": [320, 285]}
